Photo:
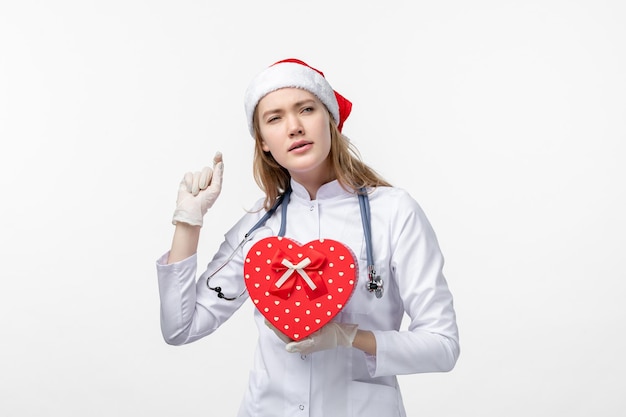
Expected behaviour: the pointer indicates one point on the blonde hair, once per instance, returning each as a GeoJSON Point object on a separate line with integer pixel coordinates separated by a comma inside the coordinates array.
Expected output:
{"type": "Point", "coordinates": [345, 161]}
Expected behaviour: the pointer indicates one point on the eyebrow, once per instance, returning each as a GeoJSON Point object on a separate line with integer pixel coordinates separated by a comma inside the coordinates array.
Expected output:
{"type": "Point", "coordinates": [296, 104]}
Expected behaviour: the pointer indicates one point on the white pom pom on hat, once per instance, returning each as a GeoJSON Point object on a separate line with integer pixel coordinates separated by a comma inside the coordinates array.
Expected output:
{"type": "Point", "coordinates": [293, 72]}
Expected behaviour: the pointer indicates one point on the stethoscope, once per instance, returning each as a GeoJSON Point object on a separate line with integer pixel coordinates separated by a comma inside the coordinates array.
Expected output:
{"type": "Point", "coordinates": [375, 282]}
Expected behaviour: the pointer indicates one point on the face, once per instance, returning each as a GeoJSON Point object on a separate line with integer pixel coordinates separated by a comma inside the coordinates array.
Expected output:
{"type": "Point", "coordinates": [294, 126]}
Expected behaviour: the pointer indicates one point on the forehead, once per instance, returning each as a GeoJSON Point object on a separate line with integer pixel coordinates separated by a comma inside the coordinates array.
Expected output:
{"type": "Point", "coordinates": [285, 97]}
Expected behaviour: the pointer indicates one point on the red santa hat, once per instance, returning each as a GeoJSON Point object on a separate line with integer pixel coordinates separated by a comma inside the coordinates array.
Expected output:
{"type": "Point", "coordinates": [292, 72]}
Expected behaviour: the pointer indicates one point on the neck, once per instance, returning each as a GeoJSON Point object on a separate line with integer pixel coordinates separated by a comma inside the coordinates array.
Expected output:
{"type": "Point", "coordinates": [314, 178]}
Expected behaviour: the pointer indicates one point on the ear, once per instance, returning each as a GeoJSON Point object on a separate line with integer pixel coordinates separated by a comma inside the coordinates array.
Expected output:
{"type": "Point", "coordinates": [264, 146]}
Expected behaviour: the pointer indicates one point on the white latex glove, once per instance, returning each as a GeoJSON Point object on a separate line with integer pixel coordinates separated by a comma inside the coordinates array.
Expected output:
{"type": "Point", "coordinates": [197, 192]}
{"type": "Point", "coordinates": [328, 337]}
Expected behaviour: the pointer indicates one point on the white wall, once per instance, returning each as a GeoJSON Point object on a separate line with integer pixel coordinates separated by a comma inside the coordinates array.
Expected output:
{"type": "Point", "coordinates": [505, 120]}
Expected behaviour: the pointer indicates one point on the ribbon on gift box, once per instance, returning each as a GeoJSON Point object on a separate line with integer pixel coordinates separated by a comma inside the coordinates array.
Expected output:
{"type": "Point", "coordinates": [306, 270]}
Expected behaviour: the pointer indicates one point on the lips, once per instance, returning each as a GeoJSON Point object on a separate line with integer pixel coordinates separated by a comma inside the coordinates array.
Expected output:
{"type": "Point", "coordinates": [299, 144]}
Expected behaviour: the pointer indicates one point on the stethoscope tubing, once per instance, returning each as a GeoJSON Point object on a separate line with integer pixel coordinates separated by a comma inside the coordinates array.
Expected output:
{"type": "Point", "coordinates": [375, 283]}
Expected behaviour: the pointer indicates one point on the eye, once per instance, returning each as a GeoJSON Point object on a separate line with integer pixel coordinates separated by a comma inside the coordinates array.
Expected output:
{"type": "Point", "coordinates": [272, 119]}
{"type": "Point", "coordinates": [308, 109]}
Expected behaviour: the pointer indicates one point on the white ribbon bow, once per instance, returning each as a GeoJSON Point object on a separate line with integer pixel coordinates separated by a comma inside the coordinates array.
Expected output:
{"type": "Point", "coordinates": [299, 268]}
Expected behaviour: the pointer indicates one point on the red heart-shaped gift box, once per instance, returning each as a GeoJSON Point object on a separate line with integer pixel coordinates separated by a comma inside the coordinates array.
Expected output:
{"type": "Point", "coordinates": [299, 288]}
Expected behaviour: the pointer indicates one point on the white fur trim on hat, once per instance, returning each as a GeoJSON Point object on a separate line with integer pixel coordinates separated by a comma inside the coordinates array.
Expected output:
{"type": "Point", "coordinates": [289, 74]}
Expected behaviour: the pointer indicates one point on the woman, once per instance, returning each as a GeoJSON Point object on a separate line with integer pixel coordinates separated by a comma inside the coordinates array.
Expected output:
{"type": "Point", "coordinates": [349, 366]}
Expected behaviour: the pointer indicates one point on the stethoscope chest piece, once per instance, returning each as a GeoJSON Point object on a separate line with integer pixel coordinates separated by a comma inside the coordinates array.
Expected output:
{"type": "Point", "coordinates": [375, 283]}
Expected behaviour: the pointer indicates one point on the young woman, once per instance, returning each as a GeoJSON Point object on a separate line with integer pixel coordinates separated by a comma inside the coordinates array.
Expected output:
{"type": "Point", "coordinates": [349, 366]}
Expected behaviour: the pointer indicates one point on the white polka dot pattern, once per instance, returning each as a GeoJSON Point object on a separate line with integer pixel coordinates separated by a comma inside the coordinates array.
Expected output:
{"type": "Point", "coordinates": [299, 288]}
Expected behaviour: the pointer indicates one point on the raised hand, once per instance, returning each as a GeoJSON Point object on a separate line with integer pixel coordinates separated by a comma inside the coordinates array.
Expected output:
{"type": "Point", "coordinates": [197, 192]}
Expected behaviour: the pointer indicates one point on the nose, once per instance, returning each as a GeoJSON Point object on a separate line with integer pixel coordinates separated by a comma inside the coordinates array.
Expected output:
{"type": "Point", "coordinates": [295, 127]}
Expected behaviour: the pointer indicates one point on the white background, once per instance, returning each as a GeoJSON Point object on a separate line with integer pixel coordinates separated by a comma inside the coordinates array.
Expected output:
{"type": "Point", "coordinates": [504, 119]}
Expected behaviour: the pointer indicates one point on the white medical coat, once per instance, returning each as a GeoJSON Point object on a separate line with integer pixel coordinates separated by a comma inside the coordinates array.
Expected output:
{"type": "Point", "coordinates": [343, 381]}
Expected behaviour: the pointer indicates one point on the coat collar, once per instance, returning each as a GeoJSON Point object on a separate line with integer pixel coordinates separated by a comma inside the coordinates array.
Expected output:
{"type": "Point", "coordinates": [329, 191]}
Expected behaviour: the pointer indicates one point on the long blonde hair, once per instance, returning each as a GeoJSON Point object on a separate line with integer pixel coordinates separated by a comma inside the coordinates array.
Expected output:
{"type": "Point", "coordinates": [351, 172]}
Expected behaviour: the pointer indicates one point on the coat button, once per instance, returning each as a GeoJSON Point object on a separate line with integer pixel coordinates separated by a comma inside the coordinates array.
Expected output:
{"type": "Point", "coordinates": [301, 407]}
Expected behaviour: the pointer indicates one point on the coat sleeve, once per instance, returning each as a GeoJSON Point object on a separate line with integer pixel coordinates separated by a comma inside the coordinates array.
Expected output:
{"type": "Point", "coordinates": [189, 309]}
{"type": "Point", "coordinates": [431, 342]}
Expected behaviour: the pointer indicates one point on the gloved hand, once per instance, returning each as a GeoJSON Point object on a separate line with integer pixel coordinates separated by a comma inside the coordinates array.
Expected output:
{"type": "Point", "coordinates": [197, 193]}
{"type": "Point", "coordinates": [328, 337]}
